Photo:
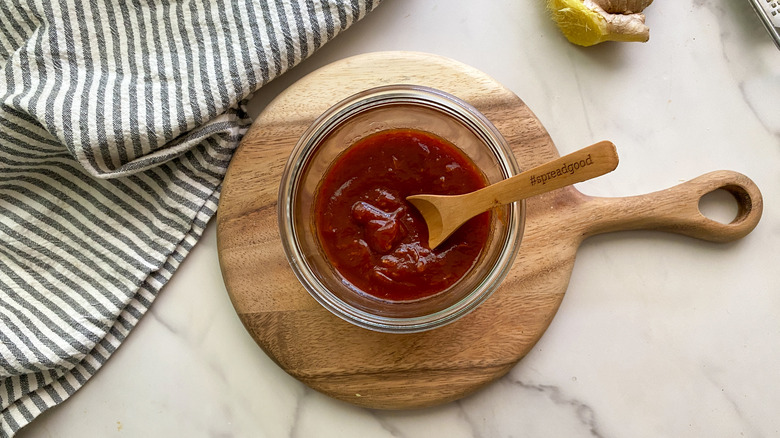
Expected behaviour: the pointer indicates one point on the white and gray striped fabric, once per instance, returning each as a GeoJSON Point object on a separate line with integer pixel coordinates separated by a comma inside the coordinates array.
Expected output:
{"type": "Point", "coordinates": [117, 122]}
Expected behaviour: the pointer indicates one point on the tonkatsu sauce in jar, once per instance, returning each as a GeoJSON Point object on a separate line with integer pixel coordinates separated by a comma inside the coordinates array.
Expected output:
{"type": "Point", "coordinates": [374, 238]}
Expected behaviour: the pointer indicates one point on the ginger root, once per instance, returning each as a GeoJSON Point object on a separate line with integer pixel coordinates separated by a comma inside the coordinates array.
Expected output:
{"type": "Point", "coordinates": [589, 22]}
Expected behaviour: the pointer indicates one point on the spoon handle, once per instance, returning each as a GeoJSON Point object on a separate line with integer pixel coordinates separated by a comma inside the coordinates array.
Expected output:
{"type": "Point", "coordinates": [584, 164]}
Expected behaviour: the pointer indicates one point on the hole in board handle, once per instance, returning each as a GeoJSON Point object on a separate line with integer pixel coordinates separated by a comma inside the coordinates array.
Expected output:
{"type": "Point", "coordinates": [720, 205]}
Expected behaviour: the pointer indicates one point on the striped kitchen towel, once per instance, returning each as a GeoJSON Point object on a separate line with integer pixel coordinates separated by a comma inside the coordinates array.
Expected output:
{"type": "Point", "coordinates": [117, 122]}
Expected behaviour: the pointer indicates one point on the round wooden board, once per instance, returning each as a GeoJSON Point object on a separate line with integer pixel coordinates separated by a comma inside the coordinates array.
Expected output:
{"type": "Point", "coordinates": [390, 371]}
{"type": "Point", "coordinates": [332, 356]}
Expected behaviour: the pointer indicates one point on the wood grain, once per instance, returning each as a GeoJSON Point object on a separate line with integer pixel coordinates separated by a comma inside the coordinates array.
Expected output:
{"type": "Point", "coordinates": [389, 371]}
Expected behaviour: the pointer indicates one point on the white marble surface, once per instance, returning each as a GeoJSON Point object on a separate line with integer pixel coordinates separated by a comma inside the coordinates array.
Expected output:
{"type": "Point", "coordinates": [658, 335]}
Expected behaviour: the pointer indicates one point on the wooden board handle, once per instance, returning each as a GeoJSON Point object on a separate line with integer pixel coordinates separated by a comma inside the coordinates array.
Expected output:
{"type": "Point", "coordinates": [677, 209]}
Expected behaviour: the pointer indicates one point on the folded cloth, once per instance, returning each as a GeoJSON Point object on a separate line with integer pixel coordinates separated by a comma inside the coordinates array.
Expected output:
{"type": "Point", "coordinates": [117, 123]}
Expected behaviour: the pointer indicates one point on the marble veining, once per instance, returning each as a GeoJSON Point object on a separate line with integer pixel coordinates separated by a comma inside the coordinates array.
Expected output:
{"type": "Point", "coordinates": [736, 410]}
{"type": "Point", "coordinates": [583, 413]}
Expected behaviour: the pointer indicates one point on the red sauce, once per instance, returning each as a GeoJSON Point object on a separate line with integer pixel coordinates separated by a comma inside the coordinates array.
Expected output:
{"type": "Point", "coordinates": [376, 239]}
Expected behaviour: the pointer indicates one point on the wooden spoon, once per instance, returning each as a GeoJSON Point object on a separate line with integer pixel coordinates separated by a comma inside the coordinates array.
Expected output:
{"type": "Point", "coordinates": [444, 214]}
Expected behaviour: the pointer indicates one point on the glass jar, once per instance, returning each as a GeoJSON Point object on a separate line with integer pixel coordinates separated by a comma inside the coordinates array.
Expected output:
{"type": "Point", "coordinates": [366, 113]}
